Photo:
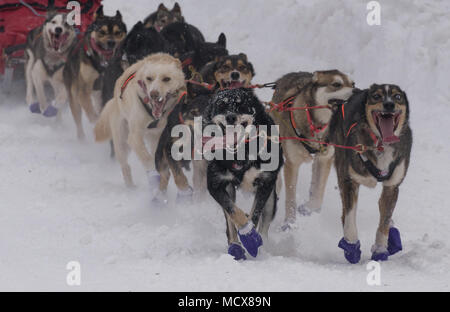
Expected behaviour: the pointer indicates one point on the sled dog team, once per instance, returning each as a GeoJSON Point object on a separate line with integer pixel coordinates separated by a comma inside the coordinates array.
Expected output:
{"type": "Point", "coordinates": [137, 86]}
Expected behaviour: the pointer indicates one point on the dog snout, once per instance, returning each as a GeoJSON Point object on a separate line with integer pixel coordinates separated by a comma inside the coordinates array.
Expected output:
{"type": "Point", "coordinates": [154, 94]}
{"type": "Point", "coordinates": [231, 119]}
{"type": "Point", "coordinates": [389, 106]}
{"type": "Point", "coordinates": [235, 75]}
{"type": "Point", "coordinates": [111, 44]}
{"type": "Point", "coordinates": [58, 30]}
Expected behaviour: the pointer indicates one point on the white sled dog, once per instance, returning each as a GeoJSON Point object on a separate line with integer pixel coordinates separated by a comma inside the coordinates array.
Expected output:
{"type": "Point", "coordinates": [144, 96]}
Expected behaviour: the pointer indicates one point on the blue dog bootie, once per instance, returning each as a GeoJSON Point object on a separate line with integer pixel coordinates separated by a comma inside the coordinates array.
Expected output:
{"type": "Point", "coordinates": [51, 111]}
{"type": "Point", "coordinates": [35, 108]}
{"type": "Point", "coordinates": [250, 239]}
{"type": "Point", "coordinates": [237, 252]}
{"type": "Point", "coordinates": [394, 241]}
{"type": "Point", "coordinates": [352, 252]}
{"type": "Point", "coordinates": [380, 256]}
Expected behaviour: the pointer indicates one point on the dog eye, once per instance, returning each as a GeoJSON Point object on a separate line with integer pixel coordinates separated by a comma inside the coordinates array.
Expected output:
{"type": "Point", "coordinates": [242, 68]}
{"type": "Point", "coordinates": [376, 97]}
{"type": "Point", "coordinates": [102, 32]}
{"type": "Point", "coordinates": [398, 97]}
{"type": "Point", "coordinates": [337, 85]}
{"type": "Point", "coordinates": [167, 79]}
{"type": "Point", "coordinates": [149, 79]}
{"type": "Point", "coordinates": [117, 33]}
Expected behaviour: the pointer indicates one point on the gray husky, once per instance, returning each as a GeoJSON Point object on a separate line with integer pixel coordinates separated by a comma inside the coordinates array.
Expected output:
{"type": "Point", "coordinates": [47, 50]}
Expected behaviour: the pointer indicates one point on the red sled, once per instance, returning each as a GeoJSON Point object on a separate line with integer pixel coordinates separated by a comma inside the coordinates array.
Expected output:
{"type": "Point", "coordinates": [19, 17]}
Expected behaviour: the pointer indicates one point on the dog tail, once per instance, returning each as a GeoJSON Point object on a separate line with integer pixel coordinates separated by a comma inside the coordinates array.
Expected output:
{"type": "Point", "coordinates": [102, 127]}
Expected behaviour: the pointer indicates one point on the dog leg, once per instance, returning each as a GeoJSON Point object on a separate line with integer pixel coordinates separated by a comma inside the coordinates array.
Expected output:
{"type": "Point", "coordinates": [75, 108]}
{"type": "Point", "coordinates": [350, 243]}
{"type": "Point", "coordinates": [382, 249]}
{"type": "Point", "coordinates": [137, 143]}
{"type": "Point", "coordinates": [199, 177]}
{"type": "Point", "coordinates": [86, 103]}
{"type": "Point", "coordinates": [29, 79]}
{"type": "Point", "coordinates": [290, 177]}
{"type": "Point", "coordinates": [122, 150]}
{"type": "Point", "coordinates": [39, 77]}
{"type": "Point", "coordinates": [268, 214]}
{"type": "Point", "coordinates": [320, 172]}
{"type": "Point", "coordinates": [234, 246]}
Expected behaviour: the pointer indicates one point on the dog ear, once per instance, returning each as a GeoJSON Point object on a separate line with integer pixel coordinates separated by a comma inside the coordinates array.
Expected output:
{"type": "Point", "coordinates": [222, 40]}
{"type": "Point", "coordinates": [162, 7]}
{"type": "Point", "coordinates": [243, 56]}
{"type": "Point", "coordinates": [176, 8]}
{"type": "Point", "coordinates": [315, 77]}
{"type": "Point", "coordinates": [118, 15]}
{"type": "Point", "coordinates": [99, 13]}
{"type": "Point", "coordinates": [252, 69]}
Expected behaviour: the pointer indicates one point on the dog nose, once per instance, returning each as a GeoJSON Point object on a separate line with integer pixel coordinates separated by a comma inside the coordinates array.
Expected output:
{"type": "Point", "coordinates": [389, 106]}
{"type": "Point", "coordinates": [235, 75]}
{"type": "Point", "coordinates": [231, 119]}
{"type": "Point", "coordinates": [111, 44]}
{"type": "Point", "coordinates": [154, 94]}
{"type": "Point", "coordinates": [58, 30]}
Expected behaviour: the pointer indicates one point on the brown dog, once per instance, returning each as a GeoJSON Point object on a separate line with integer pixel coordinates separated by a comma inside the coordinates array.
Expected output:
{"type": "Point", "coordinates": [87, 62]}
{"type": "Point", "coordinates": [308, 89]}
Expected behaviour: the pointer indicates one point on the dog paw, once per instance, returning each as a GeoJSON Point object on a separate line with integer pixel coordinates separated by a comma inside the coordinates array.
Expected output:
{"type": "Point", "coordinates": [50, 112]}
{"type": "Point", "coordinates": [394, 241]}
{"type": "Point", "coordinates": [237, 252]}
{"type": "Point", "coordinates": [250, 239]}
{"type": "Point", "coordinates": [35, 108]}
{"type": "Point", "coordinates": [304, 210]}
{"type": "Point", "coordinates": [379, 253]}
{"type": "Point", "coordinates": [160, 200]}
{"type": "Point", "coordinates": [185, 197]}
{"type": "Point", "coordinates": [352, 252]}
{"type": "Point", "coordinates": [288, 226]}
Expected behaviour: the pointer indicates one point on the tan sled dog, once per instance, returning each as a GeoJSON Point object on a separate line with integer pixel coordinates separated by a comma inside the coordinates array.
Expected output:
{"type": "Point", "coordinates": [317, 89]}
{"type": "Point", "coordinates": [144, 96]}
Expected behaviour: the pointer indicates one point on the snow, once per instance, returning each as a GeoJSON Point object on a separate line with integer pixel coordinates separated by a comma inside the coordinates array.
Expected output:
{"type": "Point", "coordinates": [62, 200]}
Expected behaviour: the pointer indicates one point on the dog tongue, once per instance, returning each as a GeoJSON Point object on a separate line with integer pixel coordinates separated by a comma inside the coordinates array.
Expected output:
{"type": "Point", "coordinates": [386, 126]}
{"type": "Point", "coordinates": [158, 109]}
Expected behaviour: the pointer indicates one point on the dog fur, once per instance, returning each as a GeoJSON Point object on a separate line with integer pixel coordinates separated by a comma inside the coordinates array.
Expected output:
{"type": "Point", "coordinates": [224, 176]}
{"type": "Point", "coordinates": [86, 65]}
{"type": "Point", "coordinates": [125, 119]}
{"type": "Point", "coordinates": [363, 109]}
{"type": "Point", "coordinates": [308, 89]}
{"type": "Point", "coordinates": [47, 49]}
{"type": "Point", "coordinates": [193, 105]}
{"type": "Point", "coordinates": [164, 17]}
{"type": "Point", "coordinates": [233, 71]}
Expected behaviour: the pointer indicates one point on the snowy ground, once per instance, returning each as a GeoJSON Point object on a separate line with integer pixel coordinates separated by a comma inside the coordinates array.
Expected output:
{"type": "Point", "coordinates": [62, 200]}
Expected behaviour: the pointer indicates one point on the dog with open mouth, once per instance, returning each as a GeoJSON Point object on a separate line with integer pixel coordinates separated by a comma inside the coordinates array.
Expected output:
{"type": "Point", "coordinates": [301, 90]}
{"type": "Point", "coordinates": [46, 51]}
{"type": "Point", "coordinates": [143, 98]}
{"type": "Point", "coordinates": [229, 71]}
{"type": "Point", "coordinates": [376, 120]}
{"type": "Point", "coordinates": [241, 108]}
{"type": "Point", "coordinates": [88, 59]}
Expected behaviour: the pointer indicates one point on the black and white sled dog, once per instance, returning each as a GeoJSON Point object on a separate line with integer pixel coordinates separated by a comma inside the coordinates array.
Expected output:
{"type": "Point", "coordinates": [240, 108]}
{"type": "Point", "coordinates": [47, 49]}
{"type": "Point", "coordinates": [376, 120]}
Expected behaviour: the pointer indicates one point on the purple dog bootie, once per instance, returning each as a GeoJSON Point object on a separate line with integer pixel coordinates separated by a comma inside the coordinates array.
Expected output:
{"type": "Point", "coordinates": [237, 252]}
{"type": "Point", "coordinates": [352, 252]}
{"type": "Point", "coordinates": [250, 239]}
{"type": "Point", "coordinates": [394, 241]}
{"type": "Point", "coordinates": [35, 108]}
{"type": "Point", "coordinates": [380, 256]}
{"type": "Point", "coordinates": [51, 111]}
